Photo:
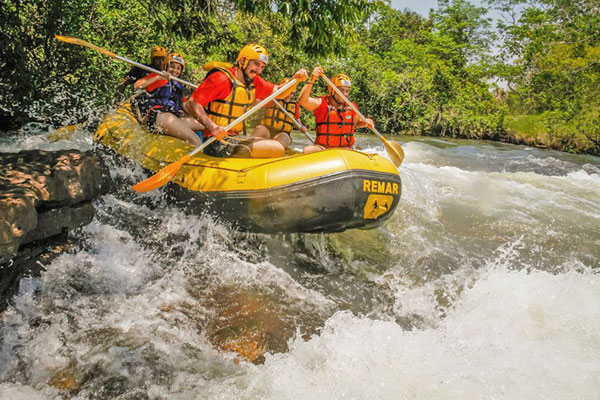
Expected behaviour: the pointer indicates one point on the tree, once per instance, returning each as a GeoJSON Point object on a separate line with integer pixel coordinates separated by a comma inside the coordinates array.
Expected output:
{"type": "Point", "coordinates": [467, 27]}
{"type": "Point", "coordinates": [406, 76]}
{"type": "Point", "coordinates": [35, 66]}
{"type": "Point", "coordinates": [552, 65]}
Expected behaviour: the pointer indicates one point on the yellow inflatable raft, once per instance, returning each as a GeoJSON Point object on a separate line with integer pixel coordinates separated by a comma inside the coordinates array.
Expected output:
{"type": "Point", "coordinates": [328, 191]}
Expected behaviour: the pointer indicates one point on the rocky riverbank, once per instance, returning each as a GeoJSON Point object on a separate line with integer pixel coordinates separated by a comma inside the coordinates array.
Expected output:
{"type": "Point", "coordinates": [43, 194]}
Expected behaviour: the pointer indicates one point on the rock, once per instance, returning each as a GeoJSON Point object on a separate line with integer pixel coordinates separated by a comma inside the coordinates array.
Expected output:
{"type": "Point", "coordinates": [30, 261]}
{"type": "Point", "coordinates": [54, 221]}
{"type": "Point", "coordinates": [43, 193]}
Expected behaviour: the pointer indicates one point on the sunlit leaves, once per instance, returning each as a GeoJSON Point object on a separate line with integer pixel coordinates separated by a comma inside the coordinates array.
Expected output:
{"type": "Point", "coordinates": [318, 27]}
{"type": "Point", "coordinates": [551, 54]}
{"type": "Point", "coordinates": [410, 78]}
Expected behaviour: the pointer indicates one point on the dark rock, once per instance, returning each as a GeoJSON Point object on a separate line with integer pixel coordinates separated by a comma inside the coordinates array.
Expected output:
{"type": "Point", "coordinates": [30, 261]}
{"type": "Point", "coordinates": [43, 194]}
{"type": "Point", "coordinates": [55, 221]}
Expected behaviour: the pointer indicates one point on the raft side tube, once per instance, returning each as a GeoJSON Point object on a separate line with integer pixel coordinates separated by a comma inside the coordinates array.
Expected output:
{"type": "Point", "coordinates": [330, 203]}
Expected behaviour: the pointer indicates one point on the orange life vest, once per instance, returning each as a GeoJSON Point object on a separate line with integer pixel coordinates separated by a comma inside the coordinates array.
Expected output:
{"type": "Point", "coordinates": [276, 120]}
{"type": "Point", "coordinates": [225, 111]}
{"type": "Point", "coordinates": [336, 128]}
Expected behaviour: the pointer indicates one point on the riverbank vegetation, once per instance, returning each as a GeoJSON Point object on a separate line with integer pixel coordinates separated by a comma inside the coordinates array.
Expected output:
{"type": "Point", "coordinates": [531, 77]}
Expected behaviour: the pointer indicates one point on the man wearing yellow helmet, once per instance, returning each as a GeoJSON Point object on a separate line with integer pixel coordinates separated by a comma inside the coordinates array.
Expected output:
{"type": "Point", "coordinates": [158, 60]}
{"type": "Point", "coordinates": [275, 124]}
{"type": "Point", "coordinates": [226, 93]}
{"type": "Point", "coordinates": [162, 110]}
{"type": "Point", "coordinates": [335, 121]}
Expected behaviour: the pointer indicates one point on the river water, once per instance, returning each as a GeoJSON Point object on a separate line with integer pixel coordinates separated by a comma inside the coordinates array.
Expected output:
{"type": "Point", "coordinates": [484, 284]}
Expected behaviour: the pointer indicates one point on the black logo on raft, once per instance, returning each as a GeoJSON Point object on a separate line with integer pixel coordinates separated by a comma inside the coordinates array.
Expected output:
{"type": "Point", "coordinates": [373, 186]}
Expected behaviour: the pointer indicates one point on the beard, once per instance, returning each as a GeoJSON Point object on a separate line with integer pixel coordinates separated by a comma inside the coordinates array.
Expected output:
{"type": "Point", "coordinates": [247, 79]}
{"type": "Point", "coordinates": [337, 101]}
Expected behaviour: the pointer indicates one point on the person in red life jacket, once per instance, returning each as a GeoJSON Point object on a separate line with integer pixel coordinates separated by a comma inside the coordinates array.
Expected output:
{"type": "Point", "coordinates": [225, 94]}
{"type": "Point", "coordinates": [275, 124]}
{"type": "Point", "coordinates": [162, 110]}
{"type": "Point", "coordinates": [335, 121]}
{"type": "Point", "coordinates": [158, 60]}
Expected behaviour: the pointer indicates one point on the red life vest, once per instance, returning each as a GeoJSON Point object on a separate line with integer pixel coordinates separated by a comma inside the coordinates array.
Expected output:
{"type": "Point", "coordinates": [335, 126]}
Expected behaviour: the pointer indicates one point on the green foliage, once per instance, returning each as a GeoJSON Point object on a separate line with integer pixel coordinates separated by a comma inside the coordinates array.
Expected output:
{"type": "Point", "coordinates": [552, 66]}
{"type": "Point", "coordinates": [318, 27]}
{"type": "Point", "coordinates": [35, 66]}
{"type": "Point", "coordinates": [529, 126]}
{"type": "Point", "coordinates": [411, 74]}
{"type": "Point", "coordinates": [464, 24]}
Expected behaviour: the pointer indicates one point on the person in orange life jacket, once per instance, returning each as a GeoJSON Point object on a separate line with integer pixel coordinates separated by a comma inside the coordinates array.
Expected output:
{"type": "Point", "coordinates": [162, 110]}
{"type": "Point", "coordinates": [275, 124]}
{"type": "Point", "coordinates": [335, 121]}
{"type": "Point", "coordinates": [225, 94]}
{"type": "Point", "coordinates": [158, 60]}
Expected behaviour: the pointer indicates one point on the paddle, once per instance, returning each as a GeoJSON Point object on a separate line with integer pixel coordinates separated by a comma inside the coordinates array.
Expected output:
{"type": "Point", "coordinates": [290, 116]}
{"type": "Point", "coordinates": [394, 150]}
{"type": "Point", "coordinates": [80, 42]}
{"type": "Point", "coordinates": [168, 173]}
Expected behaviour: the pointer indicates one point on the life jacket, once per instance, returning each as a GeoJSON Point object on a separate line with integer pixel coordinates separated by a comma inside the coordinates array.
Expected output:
{"type": "Point", "coordinates": [276, 120]}
{"type": "Point", "coordinates": [337, 127]}
{"type": "Point", "coordinates": [167, 98]}
{"type": "Point", "coordinates": [223, 112]}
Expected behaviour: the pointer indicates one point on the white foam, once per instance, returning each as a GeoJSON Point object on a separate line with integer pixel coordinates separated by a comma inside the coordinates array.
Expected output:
{"type": "Point", "coordinates": [17, 391]}
{"type": "Point", "coordinates": [513, 335]}
{"type": "Point", "coordinates": [498, 334]}
{"type": "Point", "coordinates": [583, 175]}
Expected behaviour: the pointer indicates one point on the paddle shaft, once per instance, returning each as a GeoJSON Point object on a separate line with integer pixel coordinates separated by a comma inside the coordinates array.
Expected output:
{"type": "Point", "coordinates": [246, 114]}
{"type": "Point", "coordinates": [290, 116]}
{"type": "Point", "coordinates": [133, 96]}
{"type": "Point", "coordinates": [150, 69]}
{"type": "Point", "coordinates": [349, 103]}
{"type": "Point", "coordinates": [72, 40]}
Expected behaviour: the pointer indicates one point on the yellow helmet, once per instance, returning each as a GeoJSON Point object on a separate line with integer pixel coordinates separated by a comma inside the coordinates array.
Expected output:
{"type": "Point", "coordinates": [340, 80]}
{"type": "Point", "coordinates": [290, 91]}
{"type": "Point", "coordinates": [178, 58]}
{"type": "Point", "coordinates": [158, 51]}
{"type": "Point", "coordinates": [252, 51]}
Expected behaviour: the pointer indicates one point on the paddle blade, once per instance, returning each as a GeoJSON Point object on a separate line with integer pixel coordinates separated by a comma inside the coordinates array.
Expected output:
{"type": "Point", "coordinates": [72, 40]}
{"type": "Point", "coordinates": [394, 151]}
{"type": "Point", "coordinates": [162, 177]}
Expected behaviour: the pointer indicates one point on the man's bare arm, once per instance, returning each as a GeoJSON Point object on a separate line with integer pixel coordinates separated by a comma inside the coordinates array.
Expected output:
{"type": "Point", "coordinates": [197, 111]}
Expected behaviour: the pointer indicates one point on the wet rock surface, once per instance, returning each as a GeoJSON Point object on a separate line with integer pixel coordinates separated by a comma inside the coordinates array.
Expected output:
{"type": "Point", "coordinates": [43, 194]}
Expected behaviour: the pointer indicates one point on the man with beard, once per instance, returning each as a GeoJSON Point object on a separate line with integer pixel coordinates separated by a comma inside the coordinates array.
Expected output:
{"type": "Point", "coordinates": [225, 94]}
